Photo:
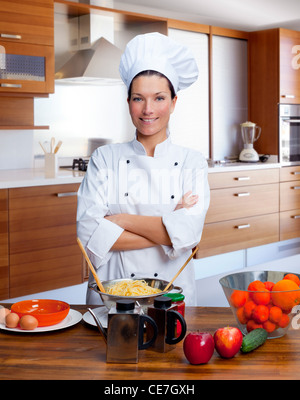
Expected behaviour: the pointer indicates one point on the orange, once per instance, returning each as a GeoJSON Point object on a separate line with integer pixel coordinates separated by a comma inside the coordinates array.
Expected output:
{"type": "Point", "coordinates": [275, 314]}
{"type": "Point", "coordinates": [238, 298]}
{"type": "Point", "coordinates": [241, 315]}
{"type": "Point", "coordinates": [262, 297]}
{"type": "Point", "coordinates": [260, 314]}
{"type": "Point", "coordinates": [269, 285]}
{"type": "Point", "coordinates": [285, 319]}
{"type": "Point", "coordinates": [251, 325]}
{"type": "Point", "coordinates": [256, 285]}
{"type": "Point", "coordinates": [285, 294]}
{"type": "Point", "coordinates": [293, 277]}
{"type": "Point", "coordinates": [248, 308]}
{"type": "Point", "coordinates": [269, 326]}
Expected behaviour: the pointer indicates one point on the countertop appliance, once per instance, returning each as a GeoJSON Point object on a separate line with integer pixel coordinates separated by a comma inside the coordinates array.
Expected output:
{"type": "Point", "coordinates": [289, 134]}
{"type": "Point", "coordinates": [78, 164]}
{"type": "Point", "coordinates": [250, 133]}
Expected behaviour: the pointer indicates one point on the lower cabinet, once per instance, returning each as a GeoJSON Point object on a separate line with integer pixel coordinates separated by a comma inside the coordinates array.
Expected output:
{"type": "Point", "coordinates": [238, 234]}
{"type": "Point", "coordinates": [4, 263]}
{"type": "Point", "coordinates": [243, 212]}
{"type": "Point", "coordinates": [43, 251]}
{"type": "Point", "coordinates": [289, 202]}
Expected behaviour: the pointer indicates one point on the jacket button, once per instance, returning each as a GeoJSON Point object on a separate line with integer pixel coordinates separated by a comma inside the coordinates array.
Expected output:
{"type": "Point", "coordinates": [132, 275]}
{"type": "Point", "coordinates": [172, 197]}
{"type": "Point", "coordinates": [176, 163]}
{"type": "Point", "coordinates": [128, 161]}
{"type": "Point", "coordinates": [156, 274]}
{"type": "Point", "coordinates": [126, 194]}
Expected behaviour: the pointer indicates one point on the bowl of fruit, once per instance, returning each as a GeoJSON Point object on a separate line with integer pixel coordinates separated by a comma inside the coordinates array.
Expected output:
{"type": "Point", "coordinates": [263, 299]}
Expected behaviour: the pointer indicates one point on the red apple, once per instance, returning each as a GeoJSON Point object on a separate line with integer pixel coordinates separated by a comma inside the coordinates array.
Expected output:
{"type": "Point", "coordinates": [228, 341]}
{"type": "Point", "coordinates": [198, 347]}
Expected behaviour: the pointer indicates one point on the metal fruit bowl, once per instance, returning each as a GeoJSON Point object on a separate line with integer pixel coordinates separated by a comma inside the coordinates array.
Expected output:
{"type": "Point", "coordinates": [145, 301]}
{"type": "Point", "coordinates": [237, 285]}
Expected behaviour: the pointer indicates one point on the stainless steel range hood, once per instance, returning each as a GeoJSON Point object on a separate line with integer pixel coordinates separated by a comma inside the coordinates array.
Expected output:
{"type": "Point", "coordinates": [96, 62]}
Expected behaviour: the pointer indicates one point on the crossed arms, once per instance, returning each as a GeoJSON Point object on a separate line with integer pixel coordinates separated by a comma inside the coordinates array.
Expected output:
{"type": "Point", "coordinates": [145, 231]}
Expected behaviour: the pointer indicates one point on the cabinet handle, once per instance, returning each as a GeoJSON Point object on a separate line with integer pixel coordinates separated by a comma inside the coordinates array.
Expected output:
{"type": "Point", "coordinates": [242, 194]}
{"type": "Point", "coordinates": [11, 85]}
{"type": "Point", "coordinates": [67, 194]}
{"type": "Point", "coordinates": [296, 187]}
{"type": "Point", "coordinates": [292, 121]}
{"type": "Point", "coordinates": [10, 36]}
{"type": "Point", "coordinates": [242, 226]}
{"type": "Point", "coordinates": [295, 216]}
{"type": "Point", "coordinates": [288, 96]}
{"type": "Point", "coordinates": [295, 173]}
{"type": "Point", "coordinates": [242, 178]}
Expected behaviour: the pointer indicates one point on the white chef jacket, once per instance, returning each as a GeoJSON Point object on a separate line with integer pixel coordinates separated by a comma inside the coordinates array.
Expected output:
{"type": "Point", "coordinates": [121, 178]}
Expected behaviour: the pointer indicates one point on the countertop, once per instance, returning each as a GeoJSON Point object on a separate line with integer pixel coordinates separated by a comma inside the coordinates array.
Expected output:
{"type": "Point", "coordinates": [79, 353]}
{"type": "Point", "coordinates": [36, 176]}
{"type": "Point", "coordinates": [13, 178]}
{"type": "Point", "coordinates": [237, 165]}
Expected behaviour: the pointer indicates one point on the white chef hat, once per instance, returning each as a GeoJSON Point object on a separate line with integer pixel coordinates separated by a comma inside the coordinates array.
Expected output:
{"type": "Point", "coordinates": [157, 52]}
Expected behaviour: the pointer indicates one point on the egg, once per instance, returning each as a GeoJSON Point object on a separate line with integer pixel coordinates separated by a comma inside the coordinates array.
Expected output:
{"type": "Point", "coordinates": [12, 320]}
{"type": "Point", "coordinates": [28, 322]}
{"type": "Point", "coordinates": [3, 313]}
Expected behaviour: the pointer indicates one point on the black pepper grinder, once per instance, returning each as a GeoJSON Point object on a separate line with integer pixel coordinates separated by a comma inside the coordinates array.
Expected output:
{"type": "Point", "coordinates": [166, 318]}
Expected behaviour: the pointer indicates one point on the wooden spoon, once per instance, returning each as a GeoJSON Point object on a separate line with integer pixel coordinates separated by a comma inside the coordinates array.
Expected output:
{"type": "Point", "coordinates": [57, 147]}
{"type": "Point", "coordinates": [181, 269]}
{"type": "Point", "coordinates": [99, 284]}
{"type": "Point", "coordinates": [52, 143]}
{"type": "Point", "coordinates": [44, 150]}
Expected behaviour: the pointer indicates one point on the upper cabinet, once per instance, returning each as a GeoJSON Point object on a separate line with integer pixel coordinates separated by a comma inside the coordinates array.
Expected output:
{"type": "Point", "coordinates": [289, 55]}
{"type": "Point", "coordinates": [27, 21]}
{"type": "Point", "coordinates": [274, 78]}
{"type": "Point", "coordinates": [27, 46]}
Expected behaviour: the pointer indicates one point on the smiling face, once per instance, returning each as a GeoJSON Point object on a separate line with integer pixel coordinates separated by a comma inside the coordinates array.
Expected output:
{"type": "Point", "coordinates": [150, 106]}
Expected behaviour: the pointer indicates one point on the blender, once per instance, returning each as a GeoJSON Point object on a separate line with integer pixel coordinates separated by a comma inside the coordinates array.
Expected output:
{"type": "Point", "coordinates": [250, 133]}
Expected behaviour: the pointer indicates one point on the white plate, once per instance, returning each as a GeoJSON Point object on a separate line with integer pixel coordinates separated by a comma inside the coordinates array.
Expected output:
{"type": "Point", "coordinates": [100, 312]}
{"type": "Point", "coordinates": [71, 319]}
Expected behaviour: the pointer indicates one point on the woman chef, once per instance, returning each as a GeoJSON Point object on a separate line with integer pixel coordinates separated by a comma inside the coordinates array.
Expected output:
{"type": "Point", "coordinates": [142, 204]}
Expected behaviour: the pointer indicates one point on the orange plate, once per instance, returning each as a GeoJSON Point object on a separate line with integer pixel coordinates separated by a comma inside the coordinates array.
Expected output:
{"type": "Point", "coordinates": [47, 312]}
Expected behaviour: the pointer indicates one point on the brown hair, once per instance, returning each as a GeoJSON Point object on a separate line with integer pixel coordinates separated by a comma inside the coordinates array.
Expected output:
{"type": "Point", "coordinates": [151, 73]}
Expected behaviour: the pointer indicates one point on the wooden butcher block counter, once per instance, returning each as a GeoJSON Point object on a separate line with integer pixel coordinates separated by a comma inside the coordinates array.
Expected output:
{"type": "Point", "coordinates": [79, 353]}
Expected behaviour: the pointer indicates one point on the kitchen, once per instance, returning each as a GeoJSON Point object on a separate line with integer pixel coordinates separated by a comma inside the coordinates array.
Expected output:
{"type": "Point", "coordinates": [21, 151]}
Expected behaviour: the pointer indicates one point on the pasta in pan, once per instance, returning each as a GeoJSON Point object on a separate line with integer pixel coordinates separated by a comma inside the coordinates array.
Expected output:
{"type": "Point", "coordinates": [131, 288]}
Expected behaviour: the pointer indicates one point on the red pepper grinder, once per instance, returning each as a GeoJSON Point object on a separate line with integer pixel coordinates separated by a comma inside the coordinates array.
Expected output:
{"type": "Point", "coordinates": [178, 300]}
{"type": "Point", "coordinates": [166, 317]}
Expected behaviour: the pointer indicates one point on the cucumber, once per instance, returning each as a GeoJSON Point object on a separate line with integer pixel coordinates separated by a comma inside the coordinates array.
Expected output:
{"type": "Point", "coordinates": [254, 339]}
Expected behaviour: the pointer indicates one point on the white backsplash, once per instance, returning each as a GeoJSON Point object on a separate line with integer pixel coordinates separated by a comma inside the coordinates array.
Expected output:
{"type": "Point", "coordinates": [16, 149]}
{"type": "Point", "coordinates": [79, 112]}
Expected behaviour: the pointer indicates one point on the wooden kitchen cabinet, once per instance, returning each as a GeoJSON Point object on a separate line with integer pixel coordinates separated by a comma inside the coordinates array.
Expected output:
{"type": "Point", "coordinates": [27, 21]}
{"type": "Point", "coordinates": [241, 178]}
{"type": "Point", "coordinates": [4, 259]}
{"type": "Point", "coordinates": [30, 69]}
{"type": "Point", "coordinates": [44, 254]}
{"type": "Point", "coordinates": [231, 203]}
{"type": "Point", "coordinates": [289, 66]}
{"type": "Point", "coordinates": [237, 234]}
{"type": "Point", "coordinates": [27, 46]}
{"type": "Point", "coordinates": [273, 78]}
{"type": "Point", "coordinates": [243, 212]}
{"type": "Point", "coordinates": [289, 202]}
